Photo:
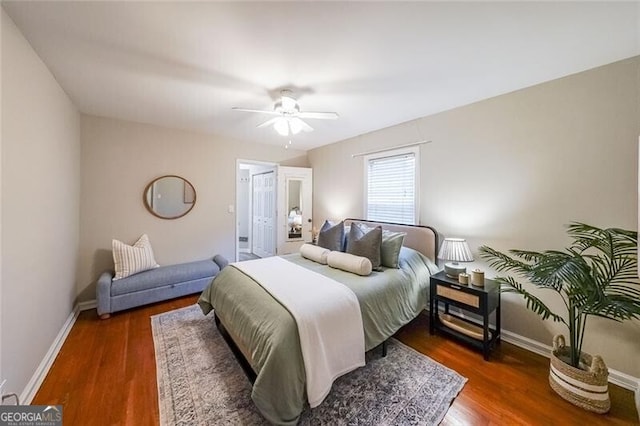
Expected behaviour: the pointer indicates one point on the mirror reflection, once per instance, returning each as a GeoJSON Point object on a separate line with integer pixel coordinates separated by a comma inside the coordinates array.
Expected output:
{"type": "Point", "coordinates": [169, 197]}
{"type": "Point", "coordinates": [294, 202]}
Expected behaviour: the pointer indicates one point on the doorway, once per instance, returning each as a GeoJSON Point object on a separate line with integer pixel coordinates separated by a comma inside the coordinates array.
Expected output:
{"type": "Point", "coordinates": [255, 209]}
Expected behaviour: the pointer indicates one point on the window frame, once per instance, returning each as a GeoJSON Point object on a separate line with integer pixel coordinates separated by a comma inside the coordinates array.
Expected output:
{"type": "Point", "coordinates": [415, 150]}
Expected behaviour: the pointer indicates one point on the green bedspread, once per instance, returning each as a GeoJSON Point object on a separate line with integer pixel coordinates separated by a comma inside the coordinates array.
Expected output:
{"type": "Point", "coordinates": [266, 330]}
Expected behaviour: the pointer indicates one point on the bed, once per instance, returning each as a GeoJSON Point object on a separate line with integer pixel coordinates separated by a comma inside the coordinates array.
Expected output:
{"type": "Point", "coordinates": [264, 335]}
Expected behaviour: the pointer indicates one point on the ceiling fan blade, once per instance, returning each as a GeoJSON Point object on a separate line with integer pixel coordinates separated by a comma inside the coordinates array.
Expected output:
{"type": "Point", "coordinates": [296, 125]}
{"type": "Point", "coordinates": [319, 115]}
{"type": "Point", "coordinates": [268, 122]}
{"type": "Point", "coordinates": [255, 110]}
{"type": "Point", "coordinates": [306, 127]}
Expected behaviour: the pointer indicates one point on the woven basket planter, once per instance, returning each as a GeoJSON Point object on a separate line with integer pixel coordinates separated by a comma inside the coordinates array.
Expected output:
{"type": "Point", "coordinates": [587, 388]}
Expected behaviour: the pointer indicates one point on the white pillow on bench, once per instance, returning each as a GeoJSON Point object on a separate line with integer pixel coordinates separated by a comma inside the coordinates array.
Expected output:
{"type": "Point", "coordinates": [129, 260]}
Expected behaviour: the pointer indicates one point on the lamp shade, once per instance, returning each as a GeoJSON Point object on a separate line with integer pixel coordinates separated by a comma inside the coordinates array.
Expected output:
{"type": "Point", "coordinates": [455, 250]}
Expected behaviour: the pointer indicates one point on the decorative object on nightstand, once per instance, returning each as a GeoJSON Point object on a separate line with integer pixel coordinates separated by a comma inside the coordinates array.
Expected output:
{"type": "Point", "coordinates": [455, 250]}
{"type": "Point", "coordinates": [477, 278]}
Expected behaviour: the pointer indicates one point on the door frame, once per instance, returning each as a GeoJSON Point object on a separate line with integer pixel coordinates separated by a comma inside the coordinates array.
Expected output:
{"type": "Point", "coordinates": [240, 161]}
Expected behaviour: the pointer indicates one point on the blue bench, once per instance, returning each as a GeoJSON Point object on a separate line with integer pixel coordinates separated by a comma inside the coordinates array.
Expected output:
{"type": "Point", "coordinates": [154, 285]}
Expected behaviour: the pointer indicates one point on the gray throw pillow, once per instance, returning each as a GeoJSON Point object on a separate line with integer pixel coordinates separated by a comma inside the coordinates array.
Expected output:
{"type": "Point", "coordinates": [331, 236]}
{"type": "Point", "coordinates": [366, 242]}
{"type": "Point", "coordinates": [347, 229]}
{"type": "Point", "coordinates": [391, 246]}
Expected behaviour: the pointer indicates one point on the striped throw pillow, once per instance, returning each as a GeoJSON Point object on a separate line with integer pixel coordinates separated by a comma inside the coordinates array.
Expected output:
{"type": "Point", "coordinates": [129, 260]}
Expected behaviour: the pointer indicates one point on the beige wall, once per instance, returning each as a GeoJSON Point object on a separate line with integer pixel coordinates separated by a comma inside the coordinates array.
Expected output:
{"type": "Point", "coordinates": [510, 171]}
{"type": "Point", "coordinates": [40, 207]}
{"type": "Point", "coordinates": [118, 160]}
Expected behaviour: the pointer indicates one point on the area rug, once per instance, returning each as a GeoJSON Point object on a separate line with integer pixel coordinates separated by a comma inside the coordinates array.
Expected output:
{"type": "Point", "coordinates": [201, 383]}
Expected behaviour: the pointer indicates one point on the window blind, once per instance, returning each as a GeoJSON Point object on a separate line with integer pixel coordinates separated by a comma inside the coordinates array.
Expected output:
{"type": "Point", "coordinates": [391, 189]}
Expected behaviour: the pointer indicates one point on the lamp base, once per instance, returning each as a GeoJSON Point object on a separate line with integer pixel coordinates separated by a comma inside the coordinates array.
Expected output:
{"type": "Point", "coordinates": [452, 270]}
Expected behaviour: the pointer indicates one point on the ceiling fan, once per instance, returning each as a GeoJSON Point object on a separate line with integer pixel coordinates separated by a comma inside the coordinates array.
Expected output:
{"type": "Point", "coordinates": [288, 118]}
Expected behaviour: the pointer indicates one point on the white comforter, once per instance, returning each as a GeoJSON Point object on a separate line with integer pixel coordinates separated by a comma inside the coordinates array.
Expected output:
{"type": "Point", "coordinates": [327, 314]}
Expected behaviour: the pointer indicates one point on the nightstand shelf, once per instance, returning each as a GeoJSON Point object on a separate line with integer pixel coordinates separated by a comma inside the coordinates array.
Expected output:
{"type": "Point", "coordinates": [463, 325]}
{"type": "Point", "coordinates": [482, 301]}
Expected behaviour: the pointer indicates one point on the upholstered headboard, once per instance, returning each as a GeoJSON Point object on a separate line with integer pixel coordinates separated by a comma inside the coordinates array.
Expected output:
{"type": "Point", "coordinates": [421, 238]}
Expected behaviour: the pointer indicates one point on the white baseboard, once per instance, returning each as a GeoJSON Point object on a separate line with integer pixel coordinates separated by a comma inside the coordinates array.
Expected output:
{"type": "Point", "coordinates": [526, 343]}
{"type": "Point", "coordinates": [89, 304]}
{"type": "Point", "coordinates": [41, 372]}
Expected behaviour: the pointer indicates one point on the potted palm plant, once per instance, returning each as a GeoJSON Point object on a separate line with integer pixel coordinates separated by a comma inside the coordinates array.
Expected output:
{"type": "Point", "coordinates": [597, 275]}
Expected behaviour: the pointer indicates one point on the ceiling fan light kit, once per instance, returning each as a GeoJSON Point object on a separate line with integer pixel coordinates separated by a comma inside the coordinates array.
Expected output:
{"type": "Point", "coordinates": [282, 126]}
{"type": "Point", "coordinates": [289, 117]}
{"type": "Point", "coordinates": [286, 103]}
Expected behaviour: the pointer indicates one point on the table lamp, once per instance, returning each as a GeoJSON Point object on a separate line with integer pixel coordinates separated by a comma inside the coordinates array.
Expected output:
{"type": "Point", "coordinates": [455, 250]}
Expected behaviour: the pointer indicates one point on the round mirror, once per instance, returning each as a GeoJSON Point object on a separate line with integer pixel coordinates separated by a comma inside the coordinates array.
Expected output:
{"type": "Point", "coordinates": [169, 197]}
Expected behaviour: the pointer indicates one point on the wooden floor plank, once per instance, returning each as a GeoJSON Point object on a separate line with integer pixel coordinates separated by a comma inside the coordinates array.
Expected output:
{"type": "Point", "coordinates": [105, 374]}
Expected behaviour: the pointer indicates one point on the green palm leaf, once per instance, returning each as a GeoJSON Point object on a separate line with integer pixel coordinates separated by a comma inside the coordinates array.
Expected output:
{"type": "Point", "coordinates": [596, 275]}
{"type": "Point", "coordinates": [510, 285]}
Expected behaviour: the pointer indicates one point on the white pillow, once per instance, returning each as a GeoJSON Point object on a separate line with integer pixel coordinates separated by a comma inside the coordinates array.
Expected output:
{"type": "Point", "coordinates": [129, 260]}
{"type": "Point", "coordinates": [315, 253]}
{"type": "Point", "coordinates": [350, 263]}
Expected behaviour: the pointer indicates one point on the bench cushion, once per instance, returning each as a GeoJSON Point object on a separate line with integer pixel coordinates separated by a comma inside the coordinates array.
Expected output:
{"type": "Point", "coordinates": [165, 276]}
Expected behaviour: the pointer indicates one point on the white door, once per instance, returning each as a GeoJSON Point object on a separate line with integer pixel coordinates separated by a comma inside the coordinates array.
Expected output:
{"type": "Point", "coordinates": [295, 208]}
{"type": "Point", "coordinates": [263, 240]}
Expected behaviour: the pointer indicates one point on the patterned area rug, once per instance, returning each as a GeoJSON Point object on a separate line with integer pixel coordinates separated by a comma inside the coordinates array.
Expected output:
{"type": "Point", "coordinates": [201, 383]}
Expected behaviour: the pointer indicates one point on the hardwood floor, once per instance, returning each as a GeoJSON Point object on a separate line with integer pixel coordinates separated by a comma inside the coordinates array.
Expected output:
{"type": "Point", "coordinates": [105, 374]}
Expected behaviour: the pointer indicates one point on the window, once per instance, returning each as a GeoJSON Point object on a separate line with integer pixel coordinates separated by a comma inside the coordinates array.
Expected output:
{"type": "Point", "coordinates": [391, 186]}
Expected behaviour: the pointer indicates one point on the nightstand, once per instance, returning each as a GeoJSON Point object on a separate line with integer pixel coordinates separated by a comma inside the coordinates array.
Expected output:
{"type": "Point", "coordinates": [482, 301]}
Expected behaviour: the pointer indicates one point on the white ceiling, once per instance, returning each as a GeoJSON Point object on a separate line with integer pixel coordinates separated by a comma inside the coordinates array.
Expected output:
{"type": "Point", "coordinates": [184, 65]}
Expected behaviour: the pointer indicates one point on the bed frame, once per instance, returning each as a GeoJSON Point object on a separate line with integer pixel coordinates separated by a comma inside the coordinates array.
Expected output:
{"type": "Point", "coordinates": [423, 239]}
{"type": "Point", "coordinates": [419, 237]}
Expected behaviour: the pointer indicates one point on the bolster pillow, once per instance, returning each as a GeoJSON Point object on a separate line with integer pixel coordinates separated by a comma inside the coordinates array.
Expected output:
{"type": "Point", "coordinates": [315, 253]}
{"type": "Point", "coordinates": [349, 262]}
